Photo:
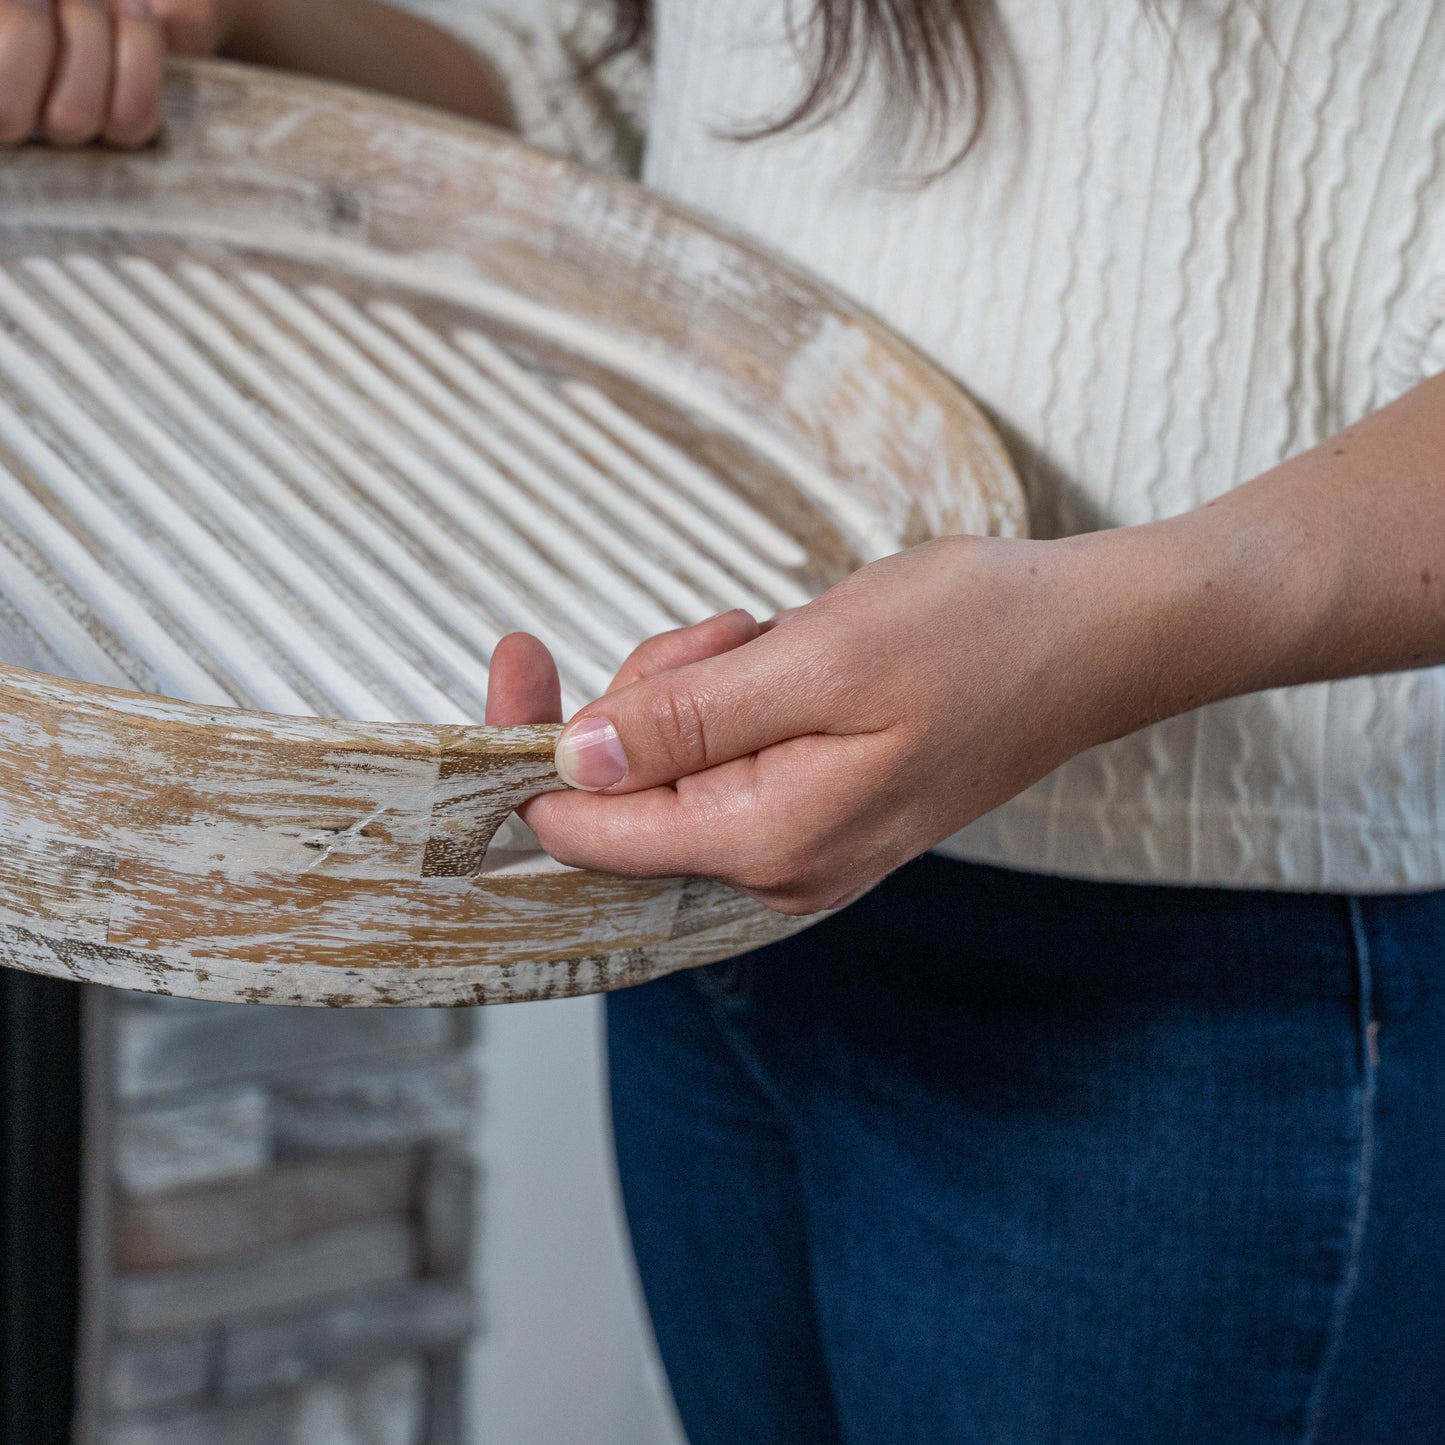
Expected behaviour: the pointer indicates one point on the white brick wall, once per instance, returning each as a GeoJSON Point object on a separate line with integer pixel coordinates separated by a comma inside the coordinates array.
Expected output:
{"type": "Point", "coordinates": [285, 1248]}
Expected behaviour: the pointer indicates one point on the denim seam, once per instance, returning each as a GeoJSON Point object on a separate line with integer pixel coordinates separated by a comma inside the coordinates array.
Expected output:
{"type": "Point", "coordinates": [1364, 1176]}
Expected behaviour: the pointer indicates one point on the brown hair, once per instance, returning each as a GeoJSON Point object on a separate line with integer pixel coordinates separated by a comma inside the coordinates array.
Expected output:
{"type": "Point", "coordinates": [930, 56]}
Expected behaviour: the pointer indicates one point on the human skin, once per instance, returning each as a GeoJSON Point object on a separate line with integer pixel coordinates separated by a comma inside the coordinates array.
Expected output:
{"type": "Point", "coordinates": [78, 71]}
{"type": "Point", "coordinates": [804, 760]}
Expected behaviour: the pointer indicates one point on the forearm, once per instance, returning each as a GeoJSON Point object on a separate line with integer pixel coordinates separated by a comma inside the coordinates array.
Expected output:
{"type": "Point", "coordinates": [1331, 565]}
{"type": "Point", "coordinates": [367, 43]}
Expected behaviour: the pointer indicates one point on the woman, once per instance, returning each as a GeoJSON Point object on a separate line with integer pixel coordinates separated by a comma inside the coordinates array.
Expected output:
{"type": "Point", "coordinates": [1121, 1117]}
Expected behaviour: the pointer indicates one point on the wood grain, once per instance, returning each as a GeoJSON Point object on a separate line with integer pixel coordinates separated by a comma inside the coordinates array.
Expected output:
{"type": "Point", "coordinates": [301, 411]}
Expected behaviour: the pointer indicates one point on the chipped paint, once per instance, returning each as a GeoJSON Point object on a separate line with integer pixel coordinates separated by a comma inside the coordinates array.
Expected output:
{"type": "Point", "coordinates": [303, 409]}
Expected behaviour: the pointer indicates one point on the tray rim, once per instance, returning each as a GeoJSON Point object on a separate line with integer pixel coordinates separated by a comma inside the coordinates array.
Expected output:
{"type": "Point", "coordinates": [57, 698]}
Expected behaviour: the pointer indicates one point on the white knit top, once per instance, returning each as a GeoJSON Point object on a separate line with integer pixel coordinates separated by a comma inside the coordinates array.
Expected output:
{"type": "Point", "coordinates": [1166, 268]}
{"type": "Point", "coordinates": [1171, 263]}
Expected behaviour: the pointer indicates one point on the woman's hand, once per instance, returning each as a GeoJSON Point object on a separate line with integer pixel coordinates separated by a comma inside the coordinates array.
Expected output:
{"type": "Point", "coordinates": [76, 71]}
{"type": "Point", "coordinates": [801, 762]}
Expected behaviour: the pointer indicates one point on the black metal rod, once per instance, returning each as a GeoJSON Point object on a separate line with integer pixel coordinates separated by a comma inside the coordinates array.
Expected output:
{"type": "Point", "coordinates": [40, 1154]}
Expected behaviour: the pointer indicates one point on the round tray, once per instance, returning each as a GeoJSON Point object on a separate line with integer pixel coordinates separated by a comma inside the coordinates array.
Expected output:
{"type": "Point", "coordinates": [301, 410]}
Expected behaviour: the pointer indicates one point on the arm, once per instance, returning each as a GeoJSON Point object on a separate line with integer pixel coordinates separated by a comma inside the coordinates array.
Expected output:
{"type": "Point", "coordinates": [371, 44]}
{"type": "Point", "coordinates": [803, 761]}
{"type": "Point", "coordinates": [1332, 565]}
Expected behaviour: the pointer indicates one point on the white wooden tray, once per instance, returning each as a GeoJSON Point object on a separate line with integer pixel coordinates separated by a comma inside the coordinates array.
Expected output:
{"type": "Point", "coordinates": [299, 413]}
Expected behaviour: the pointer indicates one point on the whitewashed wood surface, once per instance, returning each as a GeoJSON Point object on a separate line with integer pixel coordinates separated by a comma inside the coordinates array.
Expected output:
{"type": "Point", "coordinates": [299, 413]}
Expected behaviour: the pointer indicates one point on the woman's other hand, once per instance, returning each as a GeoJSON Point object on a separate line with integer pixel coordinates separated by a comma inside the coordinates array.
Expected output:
{"type": "Point", "coordinates": [77, 71]}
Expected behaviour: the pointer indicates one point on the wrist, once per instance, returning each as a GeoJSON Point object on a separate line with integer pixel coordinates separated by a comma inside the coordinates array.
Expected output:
{"type": "Point", "coordinates": [1221, 601]}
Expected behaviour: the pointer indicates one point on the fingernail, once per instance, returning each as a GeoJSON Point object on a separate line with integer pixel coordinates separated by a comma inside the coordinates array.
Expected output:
{"type": "Point", "coordinates": [590, 755]}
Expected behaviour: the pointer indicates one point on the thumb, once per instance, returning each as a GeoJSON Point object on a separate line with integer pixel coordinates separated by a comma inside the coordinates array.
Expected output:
{"type": "Point", "coordinates": [196, 27]}
{"type": "Point", "coordinates": [522, 686]}
{"type": "Point", "coordinates": [676, 723]}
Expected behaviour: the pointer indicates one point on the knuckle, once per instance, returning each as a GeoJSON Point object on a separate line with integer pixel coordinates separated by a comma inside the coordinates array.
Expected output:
{"type": "Point", "coordinates": [636, 660]}
{"type": "Point", "coordinates": [801, 904]}
{"type": "Point", "coordinates": [800, 878]}
{"type": "Point", "coordinates": [675, 723]}
{"type": "Point", "coordinates": [639, 662]}
{"type": "Point", "coordinates": [809, 897]}
{"type": "Point", "coordinates": [844, 674]}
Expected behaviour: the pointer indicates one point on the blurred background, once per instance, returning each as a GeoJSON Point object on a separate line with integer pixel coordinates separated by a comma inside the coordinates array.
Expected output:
{"type": "Point", "coordinates": [565, 1356]}
{"type": "Point", "coordinates": [342, 1227]}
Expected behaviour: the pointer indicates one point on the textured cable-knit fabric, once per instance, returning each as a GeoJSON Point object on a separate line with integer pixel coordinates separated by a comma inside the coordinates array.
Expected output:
{"type": "Point", "coordinates": [1195, 240]}
{"type": "Point", "coordinates": [1189, 246]}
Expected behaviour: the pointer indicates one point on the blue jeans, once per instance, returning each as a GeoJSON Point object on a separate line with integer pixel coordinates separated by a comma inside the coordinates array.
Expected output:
{"type": "Point", "coordinates": [995, 1159]}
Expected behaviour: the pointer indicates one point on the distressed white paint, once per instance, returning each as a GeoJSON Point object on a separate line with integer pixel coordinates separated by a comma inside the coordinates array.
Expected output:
{"type": "Point", "coordinates": [437, 568]}
{"type": "Point", "coordinates": [434, 274]}
{"type": "Point", "coordinates": [264, 441]}
{"type": "Point", "coordinates": [33, 595]}
{"type": "Point", "coordinates": [119, 605]}
{"type": "Point", "coordinates": [750, 532]}
{"type": "Point", "coordinates": [556, 518]}
{"type": "Point", "coordinates": [135, 488]}
{"type": "Point", "coordinates": [519, 401]}
{"type": "Point", "coordinates": [568, 476]}
{"type": "Point", "coordinates": [305, 496]}
{"type": "Point", "coordinates": [243, 524]}
{"type": "Point", "coordinates": [505, 527]}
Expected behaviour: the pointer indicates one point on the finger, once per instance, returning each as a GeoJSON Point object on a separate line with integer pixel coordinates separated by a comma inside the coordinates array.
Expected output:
{"type": "Point", "coordinates": [669, 650]}
{"type": "Point", "coordinates": [748, 822]}
{"type": "Point", "coordinates": [135, 94]}
{"type": "Point", "coordinates": [27, 55]}
{"type": "Point", "coordinates": [76, 107]}
{"type": "Point", "coordinates": [522, 685]}
{"type": "Point", "coordinates": [659, 833]}
{"type": "Point", "coordinates": [668, 726]}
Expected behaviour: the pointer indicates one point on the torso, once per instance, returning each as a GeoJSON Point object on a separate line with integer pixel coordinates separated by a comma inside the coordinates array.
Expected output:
{"type": "Point", "coordinates": [1166, 267]}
